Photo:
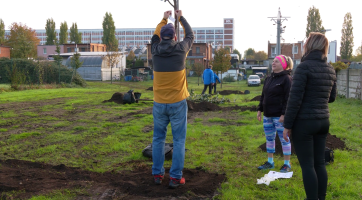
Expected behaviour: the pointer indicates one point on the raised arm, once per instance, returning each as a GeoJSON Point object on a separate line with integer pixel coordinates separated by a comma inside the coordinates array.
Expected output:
{"type": "Point", "coordinates": [157, 34]}
{"type": "Point", "coordinates": [189, 34]}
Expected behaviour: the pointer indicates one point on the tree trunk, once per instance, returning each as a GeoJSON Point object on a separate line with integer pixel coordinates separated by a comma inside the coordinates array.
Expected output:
{"type": "Point", "coordinates": [221, 81]}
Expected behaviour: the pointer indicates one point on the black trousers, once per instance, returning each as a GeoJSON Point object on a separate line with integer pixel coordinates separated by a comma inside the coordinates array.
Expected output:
{"type": "Point", "coordinates": [205, 87]}
{"type": "Point", "coordinates": [309, 138]}
{"type": "Point", "coordinates": [214, 87]}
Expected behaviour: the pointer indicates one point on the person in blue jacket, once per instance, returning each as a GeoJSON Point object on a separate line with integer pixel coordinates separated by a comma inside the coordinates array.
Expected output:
{"type": "Point", "coordinates": [216, 79]}
{"type": "Point", "coordinates": [209, 80]}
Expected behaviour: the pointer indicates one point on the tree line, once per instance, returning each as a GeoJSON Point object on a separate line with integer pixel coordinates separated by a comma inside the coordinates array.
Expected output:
{"type": "Point", "coordinates": [23, 41]}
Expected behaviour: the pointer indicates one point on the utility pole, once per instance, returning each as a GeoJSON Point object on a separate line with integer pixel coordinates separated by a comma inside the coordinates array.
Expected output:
{"type": "Point", "coordinates": [278, 21]}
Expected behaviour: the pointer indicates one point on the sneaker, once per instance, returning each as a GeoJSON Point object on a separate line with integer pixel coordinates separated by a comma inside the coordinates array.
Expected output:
{"type": "Point", "coordinates": [285, 168]}
{"type": "Point", "coordinates": [266, 165]}
{"type": "Point", "coordinates": [174, 183]}
{"type": "Point", "coordinates": [158, 179]}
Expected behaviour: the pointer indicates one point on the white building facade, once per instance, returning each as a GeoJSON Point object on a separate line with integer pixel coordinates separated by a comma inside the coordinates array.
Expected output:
{"type": "Point", "coordinates": [140, 37]}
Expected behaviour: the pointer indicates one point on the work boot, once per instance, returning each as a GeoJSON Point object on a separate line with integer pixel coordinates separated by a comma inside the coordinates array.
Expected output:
{"type": "Point", "coordinates": [174, 182]}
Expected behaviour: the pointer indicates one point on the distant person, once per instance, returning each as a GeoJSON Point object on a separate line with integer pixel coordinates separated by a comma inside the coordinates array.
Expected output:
{"type": "Point", "coordinates": [216, 79]}
{"type": "Point", "coordinates": [307, 113]}
{"type": "Point", "coordinates": [170, 93]}
{"type": "Point", "coordinates": [273, 103]}
{"type": "Point", "coordinates": [208, 77]}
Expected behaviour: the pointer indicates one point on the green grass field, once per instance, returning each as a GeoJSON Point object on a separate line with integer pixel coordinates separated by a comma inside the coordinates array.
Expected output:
{"type": "Point", "coordinates": [72, 126]}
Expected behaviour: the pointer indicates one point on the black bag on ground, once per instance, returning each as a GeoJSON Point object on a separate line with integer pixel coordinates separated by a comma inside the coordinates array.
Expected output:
{"type": "Point", "coordinates": [329, 156]}
{"type": "Point", "coordinates": [129, 97]}
{"type": "Point", "coordinates": [147, 152]}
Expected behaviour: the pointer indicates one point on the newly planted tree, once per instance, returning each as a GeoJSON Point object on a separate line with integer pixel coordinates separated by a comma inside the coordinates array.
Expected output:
{"type": "Point", "coordinates": [346, 48]}
{"type": "Point", "coordinates": [221, 62]}
{"type": "Point", "coordinates": [198, 69]}
{"type": "Point", "coordinates": [112, 58]}
{"type": "Point", "coordinates": [75, 63]}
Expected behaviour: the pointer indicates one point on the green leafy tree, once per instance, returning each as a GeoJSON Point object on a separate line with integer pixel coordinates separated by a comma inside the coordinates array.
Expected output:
{"type": "Point", "coordinates": [221, 62]}
{"type": "Point", "coordinates": [131, 56]}
{"type": "Point", "coordinates": [339, 66]}
{"type": "Point", "coordinates": [50, 31]}
{"type": "Point", "coordinates": [63, 35]}
{"type": "Point", "coordinates": [75, 36]}
{"type": "Point", "coordinates": [314, 21]}
{"type": "Point", "coordinates": [109, 33]}
{"type": "Point", "coordinates": [23, 41]}
{"type": "Point", "coordinates": [198, 69]}
{"type": "Point", "coordinates": [75, 63]}
{"type": "Point", "coordinates": [249, 54]}
{"type": "Point", "coordinates": [2, 31]}
{"type": "Point", "coordinates": [346, 48]}
{"type": "Point", "coordinates": [228, 49]}
{"type": "Point", "coordinates": [358, 56]}
{"type": "Point", "coordinates": [260, 56]}
{"type": "Point", "coordinates": [235, 51]}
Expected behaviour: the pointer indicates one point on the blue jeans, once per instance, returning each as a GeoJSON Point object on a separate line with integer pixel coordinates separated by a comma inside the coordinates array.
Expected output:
{"type": "Point", "coordinates": [163, 114]}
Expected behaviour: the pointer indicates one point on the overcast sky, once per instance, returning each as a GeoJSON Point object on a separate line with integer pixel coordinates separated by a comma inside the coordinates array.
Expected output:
{"type": "Point", "coordinates": [252, 27]}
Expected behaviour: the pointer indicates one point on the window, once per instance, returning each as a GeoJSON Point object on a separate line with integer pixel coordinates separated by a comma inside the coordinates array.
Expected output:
{"type": "Point", "coordinates": [44, 51]}
{"type": "Point", "coordinates": [295, 49]}
{"type": "Point", "coordinates": [200, 31]}
{"type": "Point", "coordinates": [82, 49]}
{"type": "Point", "coordinates": [68, 50]}
{"type": "Point", "coordinates": [197, 49]}
{"type": "Point", "coordinates": [273, 52]}
{"type": "Point", "coordinates": [329, 49]}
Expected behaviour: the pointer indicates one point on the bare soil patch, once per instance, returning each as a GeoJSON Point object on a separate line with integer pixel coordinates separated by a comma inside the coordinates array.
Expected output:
{"type": "Point", "coordinates": [38, 179]}
{"type": "Point", "coordinates": [228, 92]}
{"type": "Point", "coordinates": [116, 98]}
{"type": "Point", "coordinates": [257, 98]}
{"type": "Point", "coordinates": [332, 142]}
{"type": "Point", "coordinates": [207, 106]}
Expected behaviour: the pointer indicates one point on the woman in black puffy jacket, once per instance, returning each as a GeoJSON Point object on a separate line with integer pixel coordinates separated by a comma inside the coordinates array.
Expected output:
{"type": "Point", "coordinates": [307, 114]}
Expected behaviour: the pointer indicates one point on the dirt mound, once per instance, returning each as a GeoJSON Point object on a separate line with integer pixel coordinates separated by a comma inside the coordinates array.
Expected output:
{"type": "Point", "coordinates": [257, 98]}
{"type": "Point", "coordinates": [202, 106]}
{"type": "Point", "coordinates": [39, 178]}
{"type": "Point", "coordinates": [207, 106]}
{"type": "Point", "coordinates": [116, 98]}
{"type": "Point", "coordinates": [332, 142]}
{"type": "Point", "coordinates": [227, 92]}
{"type": "Point", "coordinates": [150, 88]}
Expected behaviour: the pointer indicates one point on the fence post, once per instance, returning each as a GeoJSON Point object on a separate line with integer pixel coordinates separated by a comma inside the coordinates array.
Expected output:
{"type": "Point", "coordinates": [347, 95]}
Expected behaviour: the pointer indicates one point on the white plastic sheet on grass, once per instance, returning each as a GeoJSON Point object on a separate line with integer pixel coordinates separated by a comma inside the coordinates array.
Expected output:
{"type": "Point", "coordinates": [272, 176]}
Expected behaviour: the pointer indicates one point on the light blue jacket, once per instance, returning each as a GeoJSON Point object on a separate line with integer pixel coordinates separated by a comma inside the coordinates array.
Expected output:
{"type": "Point", "coordinates": [208, 76]}
{"type": "Point", "coordinates": [216, 78]}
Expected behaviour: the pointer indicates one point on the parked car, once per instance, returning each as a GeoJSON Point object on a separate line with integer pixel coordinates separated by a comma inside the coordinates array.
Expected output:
{"type": "Point", "coordinates": [254, 80]}
{"type": "Point", "coordinates": [260, 74]}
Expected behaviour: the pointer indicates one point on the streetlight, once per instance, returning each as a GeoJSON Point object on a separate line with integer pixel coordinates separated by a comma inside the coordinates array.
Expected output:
{"type": "Point", "coordinates": [175, 6]}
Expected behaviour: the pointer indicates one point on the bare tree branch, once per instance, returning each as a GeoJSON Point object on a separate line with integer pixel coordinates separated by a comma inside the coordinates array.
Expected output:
{"type": "Point", "coordinates": [170, 3]}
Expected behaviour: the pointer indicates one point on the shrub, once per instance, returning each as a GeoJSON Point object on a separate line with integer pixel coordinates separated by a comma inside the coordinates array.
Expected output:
{"type": "Point", "coordinates": [229, 78]}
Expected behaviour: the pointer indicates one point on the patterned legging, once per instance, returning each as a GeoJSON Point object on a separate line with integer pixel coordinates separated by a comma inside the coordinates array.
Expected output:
{"type": "Point", "coordinates": [271, 126]}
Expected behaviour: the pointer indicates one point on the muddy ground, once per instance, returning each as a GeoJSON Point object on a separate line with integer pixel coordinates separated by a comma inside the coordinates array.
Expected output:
{"type": "Point", "coordinates": [332, 142]}
{"type": "Point", "coordinates": [39, 178]}
{"type": "Point", "coordinates": [228, 92]}
{"type": "Point", "coordinates": [28, 179]}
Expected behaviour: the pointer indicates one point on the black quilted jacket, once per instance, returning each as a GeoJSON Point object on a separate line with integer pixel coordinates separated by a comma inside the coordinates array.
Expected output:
{"type": "Point", "coordinates": [313, 87]}
{"type": "Point", "coordinates": [274, 97]}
